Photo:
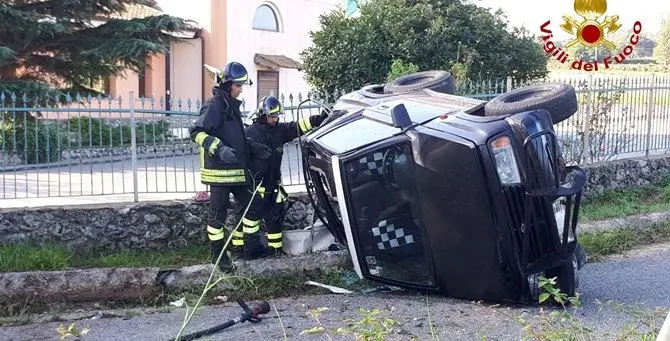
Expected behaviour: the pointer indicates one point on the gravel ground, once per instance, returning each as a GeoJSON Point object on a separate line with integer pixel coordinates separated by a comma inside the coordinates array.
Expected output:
{"type": "Point", "coordinates": [640, 278]}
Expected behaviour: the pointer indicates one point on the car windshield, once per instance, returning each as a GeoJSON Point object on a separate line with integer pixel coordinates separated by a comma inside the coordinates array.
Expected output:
{"type": "Point", "coordinates": [355, 134]}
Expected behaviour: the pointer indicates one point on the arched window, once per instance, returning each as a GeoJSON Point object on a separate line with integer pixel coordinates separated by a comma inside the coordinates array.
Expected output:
{"type": "Point", "coordinates": [266, 19]}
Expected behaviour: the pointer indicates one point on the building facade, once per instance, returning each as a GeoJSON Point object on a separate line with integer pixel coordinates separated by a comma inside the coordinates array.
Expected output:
{"type": "Point", "coordinates": [267, 37]}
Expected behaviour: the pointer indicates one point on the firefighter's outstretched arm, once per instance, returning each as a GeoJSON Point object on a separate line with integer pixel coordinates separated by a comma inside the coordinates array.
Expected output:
{"type": "Point", "coordinates": [293, 130]}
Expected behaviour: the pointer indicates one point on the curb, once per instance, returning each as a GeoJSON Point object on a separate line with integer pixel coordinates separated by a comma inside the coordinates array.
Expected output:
{"type": "Point", "coordinates": [89, 285]}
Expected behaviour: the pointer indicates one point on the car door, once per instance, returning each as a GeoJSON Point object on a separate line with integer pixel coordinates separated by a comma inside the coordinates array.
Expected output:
{"type": "Point", "coordinates": [381, 215]}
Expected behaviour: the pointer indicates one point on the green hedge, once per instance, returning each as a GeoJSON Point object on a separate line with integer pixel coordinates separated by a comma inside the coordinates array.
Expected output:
{"type": "Point", "coordinates": [33, 141]}
{"type": "Point", "coordinates": [41, 141]}
{"type": "Point", "coordinates": [95, 132]}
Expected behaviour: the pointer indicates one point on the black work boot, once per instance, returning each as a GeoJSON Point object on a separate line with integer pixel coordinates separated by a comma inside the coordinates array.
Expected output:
{"type": "Point", "coordinates": [253, 248]}
{"type": "Point", "coordinates": [278, 252]}
{"type": "Point", "coordinates": [236, 251]}
{"type": "Point", "coordinates": [225, 265]}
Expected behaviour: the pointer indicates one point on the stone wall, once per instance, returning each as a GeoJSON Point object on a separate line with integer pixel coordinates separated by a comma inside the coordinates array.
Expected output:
{"type": "Point", "coordinates": [141, 226]}
{"type": "Point", "coordinates": [171, 224]}
{"type": "Point", "coordinates": [169, 149]}
{"type": "Point", "coordinates": [9, 159]}
{"type": "Point", "coordinates": [628, 173]}
{"type": "Point", "coordinates": [100, 154]}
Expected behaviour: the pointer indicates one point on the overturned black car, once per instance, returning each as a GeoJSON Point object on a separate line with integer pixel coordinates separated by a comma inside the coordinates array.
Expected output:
{"type": "Point", "coordinates": [437, 192]}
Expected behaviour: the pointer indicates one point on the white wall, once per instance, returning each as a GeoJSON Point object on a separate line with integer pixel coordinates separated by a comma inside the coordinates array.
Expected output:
{"type": "Point", "coordinates": [296, 19]}
{"type": "Point", "coordinates": [186, 73]}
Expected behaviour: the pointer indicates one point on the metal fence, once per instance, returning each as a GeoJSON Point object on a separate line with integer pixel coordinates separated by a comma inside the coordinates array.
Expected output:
{"type": "Point", "coordinates": [618, 117]}
{"type": "Point", "coordinates": [73, 146]}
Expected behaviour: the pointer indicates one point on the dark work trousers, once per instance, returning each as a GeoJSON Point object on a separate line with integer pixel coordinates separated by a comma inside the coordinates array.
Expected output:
{"type": "Point", "coordinates": [272, 209]}
{"type": "Point", "coordinates": [219, 205]}
{"type": "Point", "coordinates": [274, 212]}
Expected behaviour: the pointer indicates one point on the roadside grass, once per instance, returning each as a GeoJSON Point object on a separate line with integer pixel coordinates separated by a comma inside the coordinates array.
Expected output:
{"type": "Point", "coordinates": [24, 256]}
{"type": "Point", "coordinates": [641, 97]}
{"type": "Point", "coordinates": [51, 257]}
{"type": "Point", "coordinates": [617, 203]}
{"type": "Point", "coordinates": [602, 243]}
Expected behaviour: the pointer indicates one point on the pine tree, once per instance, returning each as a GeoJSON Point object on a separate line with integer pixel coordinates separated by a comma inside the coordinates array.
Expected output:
{"type": "Point", "coordinates": [52, 45]}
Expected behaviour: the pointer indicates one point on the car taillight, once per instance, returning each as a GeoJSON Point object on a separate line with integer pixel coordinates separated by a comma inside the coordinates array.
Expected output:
{"type": "Point", "coordinates": [506, 165]}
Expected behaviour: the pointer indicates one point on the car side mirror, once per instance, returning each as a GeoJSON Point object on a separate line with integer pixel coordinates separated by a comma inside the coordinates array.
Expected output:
{"type": "Point", "coordinates": [400, 116]}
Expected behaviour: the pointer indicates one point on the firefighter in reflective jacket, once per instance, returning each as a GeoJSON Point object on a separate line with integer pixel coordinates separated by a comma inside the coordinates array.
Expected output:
{"type": "Point", "coordinates": [225, 155]}
{"type": "Point", "coordinates": [267, 130]}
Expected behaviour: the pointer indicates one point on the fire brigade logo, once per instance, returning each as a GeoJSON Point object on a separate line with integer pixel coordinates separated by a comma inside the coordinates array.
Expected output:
{"type": "Point", "coordinates": [590, 29]}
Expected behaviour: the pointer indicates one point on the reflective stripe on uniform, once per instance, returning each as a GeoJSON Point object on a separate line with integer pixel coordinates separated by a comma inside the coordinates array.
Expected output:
{"type": "Point", "coordinates": [250, 226]}
{"type": "Point", "coordinates": [200, 138]}
{"type": "Point", "coordinates": [207, 142]}
{"type": "Point", "coordinates": [222, 180]}
{"type": "Point", "coordinates": [305, 125]}
{"type": "Point", "coordinates": [261, 191]}
{"type": "Point", "coordinates": [214, 234]}
{"type": "Point", "coordinates": [222, 176]}
{"type": "Point", "coordinates": [214, 146]}
{"type": "Point", "coordinates": [275, 240]}
{"type": "Point", "coordinates": [238, 238]}
{"type": "Point", "coordinates": [222, 172]}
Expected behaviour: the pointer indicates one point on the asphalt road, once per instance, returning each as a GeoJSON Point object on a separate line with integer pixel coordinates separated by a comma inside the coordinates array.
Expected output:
{"type": "Point", "coordinates": [641, 279]}
{"type": "Point", "coordinates": [173, 174]}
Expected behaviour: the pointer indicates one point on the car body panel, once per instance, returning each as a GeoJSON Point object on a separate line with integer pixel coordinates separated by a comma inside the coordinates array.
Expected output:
{"type": "Point", "coordinates": [455, 227]}
{"type": "Point", "coordinates": [457, 213]}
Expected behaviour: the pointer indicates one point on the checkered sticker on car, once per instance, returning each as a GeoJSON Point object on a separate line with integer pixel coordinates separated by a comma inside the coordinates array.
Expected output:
{"type": "Point", "coordinates": [372, 163]}
{"type": "Point", "coordinates": [390, 237]}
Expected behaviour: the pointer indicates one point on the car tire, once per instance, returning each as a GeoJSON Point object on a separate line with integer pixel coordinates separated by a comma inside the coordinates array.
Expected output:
{"type": "Point", "coordinates": [567, 277]}
{"type": "Point", "coordinates": [559, 99]}
{"type": "Point", "coordinates": [436, 80]}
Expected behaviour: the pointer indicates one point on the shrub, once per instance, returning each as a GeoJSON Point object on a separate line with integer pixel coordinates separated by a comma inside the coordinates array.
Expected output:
{"type": "Point", "coordinates": [98, 132]}
{"type": "Point", "coordinates": [35, 141]}
{"type": "Point", "coordinates": [42, 141]}
{"type": "Point", "coordinates": [400, 68]}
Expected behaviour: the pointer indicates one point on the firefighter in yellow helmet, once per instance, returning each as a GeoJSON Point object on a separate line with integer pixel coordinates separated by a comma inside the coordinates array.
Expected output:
{"type": "Point", "coordinates": [267, 130]}
{"type": "Point", "coordinates": [225, 155]}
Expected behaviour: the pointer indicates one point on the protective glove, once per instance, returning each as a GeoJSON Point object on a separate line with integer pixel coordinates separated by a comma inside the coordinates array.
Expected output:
{"type": "Point", "coordinates": [259, 150]}
{"type": "Point", "coordinates": [226, 154]}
